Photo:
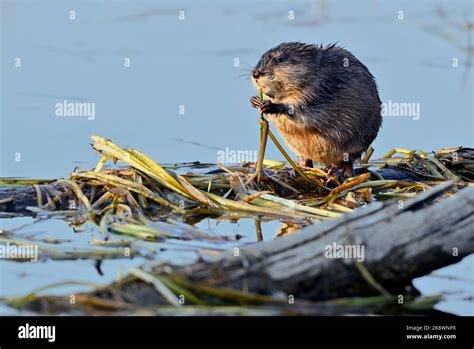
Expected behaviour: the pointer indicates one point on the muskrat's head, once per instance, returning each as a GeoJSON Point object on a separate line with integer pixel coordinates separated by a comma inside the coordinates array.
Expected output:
{"type": "Point", "coordinates": [285, 71]}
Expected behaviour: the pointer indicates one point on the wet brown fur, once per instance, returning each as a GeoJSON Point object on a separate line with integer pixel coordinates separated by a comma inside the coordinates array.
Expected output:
{"type": "Point", "coordinates": [339, 108]}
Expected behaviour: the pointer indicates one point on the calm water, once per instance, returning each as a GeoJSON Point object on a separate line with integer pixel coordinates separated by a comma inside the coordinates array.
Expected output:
{"type": "Point", "coordinates": [196, 64]}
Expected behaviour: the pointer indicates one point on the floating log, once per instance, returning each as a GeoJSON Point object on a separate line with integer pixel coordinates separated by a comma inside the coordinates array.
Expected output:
{"type": "Point", "coordinates": [401, 241]}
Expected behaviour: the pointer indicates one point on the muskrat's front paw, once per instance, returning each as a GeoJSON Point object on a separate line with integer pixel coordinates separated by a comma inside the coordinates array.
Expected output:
{"type": "Point", "coordinates": [255, 102]}
{"type": "Point", "coordinates": [266, 107]}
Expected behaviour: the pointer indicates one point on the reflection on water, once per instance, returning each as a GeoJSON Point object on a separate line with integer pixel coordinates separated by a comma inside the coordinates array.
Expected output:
{"type": "Point", "coordinates": [288, 229]}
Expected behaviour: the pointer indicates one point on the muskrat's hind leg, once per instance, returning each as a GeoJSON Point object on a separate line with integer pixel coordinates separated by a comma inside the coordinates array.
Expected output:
{"type": "Point", "coordinates": [305, 163]}
{"type": "Point", "coordinates": [347, 169]}
{"type": "Point", "coordinates": [339, 172]}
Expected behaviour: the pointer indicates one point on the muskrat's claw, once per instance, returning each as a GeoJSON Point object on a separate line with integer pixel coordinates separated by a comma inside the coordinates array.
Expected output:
{"type": "Point", "coordinates": [347, 170]}
{"type": "Point", "coordinates": [255, 102]}
{"type": "Point", "coordinates": [334, 176]}
{"type": "Point", "coordinates": [266, 106]}
{"type": "Point", "coordinates": [339, 173]}
{"type": "Point", "coordinates": [335, 171]}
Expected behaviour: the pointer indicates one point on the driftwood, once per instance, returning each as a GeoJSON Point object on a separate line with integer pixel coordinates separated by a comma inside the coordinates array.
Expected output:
{"type": "Point", "coordinates": [401, 243]}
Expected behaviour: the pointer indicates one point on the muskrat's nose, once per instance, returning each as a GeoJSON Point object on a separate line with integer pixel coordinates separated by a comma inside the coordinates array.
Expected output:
{"type": "Point", "coordinates": [256, 74]}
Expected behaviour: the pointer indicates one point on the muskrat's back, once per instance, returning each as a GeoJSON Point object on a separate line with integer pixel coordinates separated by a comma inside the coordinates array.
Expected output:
{"type": "Point", "coordinates": [323, 100]}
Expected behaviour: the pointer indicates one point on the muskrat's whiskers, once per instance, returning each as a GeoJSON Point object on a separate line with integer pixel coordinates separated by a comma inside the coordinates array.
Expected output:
{"type": "Point", "coordinates": [247, 76]}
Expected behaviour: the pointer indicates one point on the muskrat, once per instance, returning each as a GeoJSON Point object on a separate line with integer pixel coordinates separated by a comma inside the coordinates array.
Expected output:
{"type": "Point", "coordinates": [322, 100]}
